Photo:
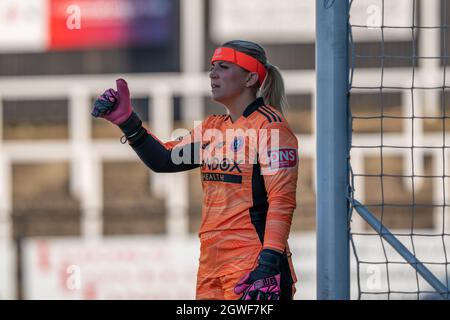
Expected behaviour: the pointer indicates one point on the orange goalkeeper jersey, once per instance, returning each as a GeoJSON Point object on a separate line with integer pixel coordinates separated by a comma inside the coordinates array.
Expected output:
{"type": "Point", "coordinates": [249, 177]}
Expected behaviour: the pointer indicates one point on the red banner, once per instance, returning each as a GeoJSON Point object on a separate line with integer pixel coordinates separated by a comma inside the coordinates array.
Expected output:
{"type": "Point", "coordinates": [109, 23]}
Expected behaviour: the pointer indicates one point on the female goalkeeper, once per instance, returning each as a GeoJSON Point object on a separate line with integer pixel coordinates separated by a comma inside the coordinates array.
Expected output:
{"type": "Point", "coordinates": [248, 161]}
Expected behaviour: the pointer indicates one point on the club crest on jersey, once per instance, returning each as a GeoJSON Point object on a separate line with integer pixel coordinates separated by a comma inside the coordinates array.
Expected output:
{"type": "Point", "coordinates": [282, 158]}
{"type": "Point", "coordinates": [237, 144]}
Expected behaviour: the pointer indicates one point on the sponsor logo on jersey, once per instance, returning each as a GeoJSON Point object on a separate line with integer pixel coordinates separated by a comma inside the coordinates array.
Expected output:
{"type": "Point", "coordinates": [221, 177]}
{"type": "Point", "coordinates": [282, 158]}
{"type": "Point", "coordinates": [225, 164]}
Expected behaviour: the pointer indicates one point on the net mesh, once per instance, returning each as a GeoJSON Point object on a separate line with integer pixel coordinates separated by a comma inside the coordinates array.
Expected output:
{"type": "Point", "coordinates": [399, 158]}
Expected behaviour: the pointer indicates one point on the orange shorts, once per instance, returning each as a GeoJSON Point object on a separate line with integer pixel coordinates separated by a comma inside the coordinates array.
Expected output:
{"type": "Point", "coordinates": [222, 287]}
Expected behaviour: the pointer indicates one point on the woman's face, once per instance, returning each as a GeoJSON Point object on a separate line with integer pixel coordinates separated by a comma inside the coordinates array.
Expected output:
{"type": "Point", "coordinates": [228, 81]}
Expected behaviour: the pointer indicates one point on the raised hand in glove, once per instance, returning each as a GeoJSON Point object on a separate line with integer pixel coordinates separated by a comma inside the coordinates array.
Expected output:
{"type": "Point", "coordinates": [113, 105]}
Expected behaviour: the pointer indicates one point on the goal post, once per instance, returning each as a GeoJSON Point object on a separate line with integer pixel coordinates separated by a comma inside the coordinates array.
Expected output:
{"type": "Point", "coordinates": [332, 143]}
{"type": "Point", "coordinates": [382, 105]}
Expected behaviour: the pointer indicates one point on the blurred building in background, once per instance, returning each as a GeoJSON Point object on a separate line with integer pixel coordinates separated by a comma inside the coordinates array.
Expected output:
{"type": "Point", "coordinates": [80, 215]}
{"type": "Point", "coordinates": [66, 177]}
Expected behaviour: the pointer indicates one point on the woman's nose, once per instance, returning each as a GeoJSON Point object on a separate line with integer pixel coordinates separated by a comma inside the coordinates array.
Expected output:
{"type": "Point", "coordinates": [212, 74]}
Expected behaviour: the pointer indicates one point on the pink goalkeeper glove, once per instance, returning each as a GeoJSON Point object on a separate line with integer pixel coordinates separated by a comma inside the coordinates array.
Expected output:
{"type": "Point", "coordinates": [261, 289]}
{"type": "Point", "coordinates": [113, 105]}
{"type": "Point", "coordinates": [263, 283]}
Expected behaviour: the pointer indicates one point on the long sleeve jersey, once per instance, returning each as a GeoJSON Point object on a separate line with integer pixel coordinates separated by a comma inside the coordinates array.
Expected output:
{"type": "Point", "coordinates": [249, 176]}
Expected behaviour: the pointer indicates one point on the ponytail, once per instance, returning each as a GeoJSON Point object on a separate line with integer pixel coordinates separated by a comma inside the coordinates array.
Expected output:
{"type": "Point", "coordinates": [272, 89]}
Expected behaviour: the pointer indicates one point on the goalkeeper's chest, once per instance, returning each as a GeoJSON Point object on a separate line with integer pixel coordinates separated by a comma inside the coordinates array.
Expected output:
{"type": "Point", "coordinates": [227, 161]}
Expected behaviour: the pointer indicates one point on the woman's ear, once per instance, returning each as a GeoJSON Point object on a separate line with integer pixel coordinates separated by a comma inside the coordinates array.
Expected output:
{"type": "Point", "coordinates": [252, 79]}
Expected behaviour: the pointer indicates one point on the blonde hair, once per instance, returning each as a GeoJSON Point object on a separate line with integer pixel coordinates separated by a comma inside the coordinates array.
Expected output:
{"type": "Point", "coordinates": [272, 89]}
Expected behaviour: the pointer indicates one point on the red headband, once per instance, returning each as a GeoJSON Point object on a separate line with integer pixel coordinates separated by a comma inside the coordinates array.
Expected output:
{"type": "Point", "coordinates": [241, 59]}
